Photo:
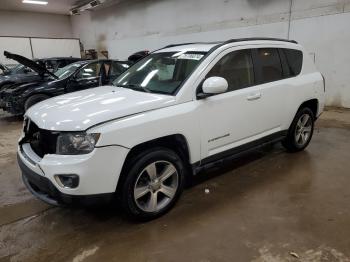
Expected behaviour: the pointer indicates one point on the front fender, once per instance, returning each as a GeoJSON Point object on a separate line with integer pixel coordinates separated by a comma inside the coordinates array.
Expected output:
{"type": "Point", "coordinates": [146, 126]}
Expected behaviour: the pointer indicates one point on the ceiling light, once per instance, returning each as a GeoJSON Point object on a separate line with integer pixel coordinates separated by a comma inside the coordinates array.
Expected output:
{"type": "Point", "coordinates": [34, 2]}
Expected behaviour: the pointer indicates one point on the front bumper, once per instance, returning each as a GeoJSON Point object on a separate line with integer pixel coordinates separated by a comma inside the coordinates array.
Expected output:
{"type": "Point", "coordinates": [15, 108]}
{"type": "Point", "coordinates": [98, 174]}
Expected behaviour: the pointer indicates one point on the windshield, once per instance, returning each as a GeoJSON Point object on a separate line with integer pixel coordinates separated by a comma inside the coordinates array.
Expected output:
{"type": "Point", "coordinates": [67, 70]}
{"type": "Point", "coordinates": [18, 69]}
{"type": "Point", "coordinates": [160, 72]}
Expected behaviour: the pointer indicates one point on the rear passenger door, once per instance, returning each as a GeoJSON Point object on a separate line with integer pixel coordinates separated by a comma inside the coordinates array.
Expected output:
{"type": "Point", "coordinates": [274, 90]}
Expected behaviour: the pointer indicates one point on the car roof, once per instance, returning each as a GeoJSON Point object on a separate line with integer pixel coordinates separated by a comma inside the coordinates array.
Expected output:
{"type": "Point", "coordinates": [208, 46]}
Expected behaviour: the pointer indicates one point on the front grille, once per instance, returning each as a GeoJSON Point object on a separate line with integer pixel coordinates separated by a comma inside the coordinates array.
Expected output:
{"type": "Point", "coordinates": [41, 141]}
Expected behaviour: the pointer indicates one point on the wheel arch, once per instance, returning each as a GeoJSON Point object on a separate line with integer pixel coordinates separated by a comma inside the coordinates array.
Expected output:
{"type": "Point", "coordinates": [34, 94]}
{"type": "Point", "coordinates": [6, 84]}
{"type": "Point", "coordinates": [175, 142]}
{"type": "Point", "coordinates": [312, 104]}
{"type": "Point", "coordinates": [25, 99]}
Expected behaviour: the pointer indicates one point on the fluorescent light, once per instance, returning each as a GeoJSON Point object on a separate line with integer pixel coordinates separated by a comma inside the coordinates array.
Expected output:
{"type": "Point", "coordinates": [34, 2]}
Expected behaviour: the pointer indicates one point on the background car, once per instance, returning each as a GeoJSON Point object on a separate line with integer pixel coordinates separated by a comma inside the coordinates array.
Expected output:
{"type": "Point", "coordinates": [135, 57]}
{"type": "Point", "coordinates": [17, 98]}
{"type": "Point", "coordinates": [3, 69]}
{"type": "Point", "coordinates": [23, 72]}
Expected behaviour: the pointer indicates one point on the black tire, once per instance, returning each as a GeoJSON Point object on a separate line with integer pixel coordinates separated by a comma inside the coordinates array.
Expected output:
{"type": "Point", "coordinates": [290, 142]}
{"type": "Point", "coordinates": [136, 168]}
{"type": "Point", "coordinates": [34, 99]}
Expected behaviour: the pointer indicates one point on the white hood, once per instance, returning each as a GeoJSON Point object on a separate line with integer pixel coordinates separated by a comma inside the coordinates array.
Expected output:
{"type": "Point", "coordinates": [80, 110]}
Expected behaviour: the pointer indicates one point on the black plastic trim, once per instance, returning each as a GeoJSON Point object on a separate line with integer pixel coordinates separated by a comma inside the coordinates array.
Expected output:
{"type": "Point", "coordinates": [237, 151]}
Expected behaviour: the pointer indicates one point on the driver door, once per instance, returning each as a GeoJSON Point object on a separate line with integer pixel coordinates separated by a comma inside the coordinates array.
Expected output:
{"type": "Point", "coordinates": [230, 119]}
{"type": "Point", "coordinates": [88, 76]}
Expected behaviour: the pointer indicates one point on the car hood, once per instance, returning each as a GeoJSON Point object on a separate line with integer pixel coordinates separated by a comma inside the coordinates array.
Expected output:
{"type": "Point", "coordinates": [11, 78]}
{"type": "Point", "coordinates": [80, 110]}
{"type": "Point", "coordinates": [29, 63]}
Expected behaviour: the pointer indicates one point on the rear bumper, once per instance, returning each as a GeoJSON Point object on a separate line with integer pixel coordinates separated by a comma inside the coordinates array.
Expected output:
{"type": "Point", "coordinates": [45, 190]}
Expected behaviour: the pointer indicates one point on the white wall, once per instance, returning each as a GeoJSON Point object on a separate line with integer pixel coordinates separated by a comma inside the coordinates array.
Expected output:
{"type": "Point", "coordinates": [329, 38]}
{"type": "Point", "coordinates": [321, 25]}
{"type": "Point", "coordinates": [34, 24]}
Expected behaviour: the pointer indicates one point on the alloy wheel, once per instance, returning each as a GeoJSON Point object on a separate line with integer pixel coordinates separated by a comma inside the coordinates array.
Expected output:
{"type": "Point", "coordinates": [156, 186]}
{"type": "Point", "coordinates": [303, 130]}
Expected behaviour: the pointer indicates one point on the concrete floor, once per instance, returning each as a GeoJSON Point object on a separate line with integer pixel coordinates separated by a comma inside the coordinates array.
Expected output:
{"type": "Point", "coordinates": [262, 207]}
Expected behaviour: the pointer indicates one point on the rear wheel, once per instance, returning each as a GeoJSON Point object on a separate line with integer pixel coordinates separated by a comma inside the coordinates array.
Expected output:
{"type": "Point", "coordinates": [153, 183]}
{"type": "Point", "coordinates": [34, 99]}
{"type": "Point", "coordinates": [301, 131]}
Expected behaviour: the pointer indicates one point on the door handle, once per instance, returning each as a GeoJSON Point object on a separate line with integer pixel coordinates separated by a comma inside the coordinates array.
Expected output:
{"type": "Point", "coordinates": [253, 97]}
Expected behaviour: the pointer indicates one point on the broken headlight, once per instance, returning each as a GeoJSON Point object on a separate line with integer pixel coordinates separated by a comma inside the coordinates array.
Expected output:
{"type": "Point", "coordinates": [76, 143]}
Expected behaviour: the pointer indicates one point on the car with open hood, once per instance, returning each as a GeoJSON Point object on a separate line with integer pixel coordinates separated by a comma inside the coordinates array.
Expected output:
{"type": "Point", "coordinates": [27, 70]}
{"type": "Point", "coordinates": [17, 98]}
{"type": "Point", "coordinates": [179, 110]}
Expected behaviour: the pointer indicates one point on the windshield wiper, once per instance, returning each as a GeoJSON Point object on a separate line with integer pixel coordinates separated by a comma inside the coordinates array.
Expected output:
{"type": "Point", "coordinates": [136, 87]}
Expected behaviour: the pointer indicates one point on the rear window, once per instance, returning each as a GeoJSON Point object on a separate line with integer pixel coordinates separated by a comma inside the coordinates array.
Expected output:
{"type": "Point", "coordinates": [294, 61]}
{"type": "Point", "coordinates": [270, 65]}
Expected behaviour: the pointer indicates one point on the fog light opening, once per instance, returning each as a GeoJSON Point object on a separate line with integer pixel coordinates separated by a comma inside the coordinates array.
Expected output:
{"type": "Point", "coordinates": [67, 181]}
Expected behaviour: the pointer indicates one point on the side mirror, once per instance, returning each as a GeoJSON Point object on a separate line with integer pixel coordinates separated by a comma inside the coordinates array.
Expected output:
{"type": "Point", "coordinates": [213, 86]}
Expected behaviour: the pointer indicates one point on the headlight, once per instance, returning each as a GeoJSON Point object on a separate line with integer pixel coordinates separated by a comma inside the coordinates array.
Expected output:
{"type": "Point", "coordinates": [76, 143]}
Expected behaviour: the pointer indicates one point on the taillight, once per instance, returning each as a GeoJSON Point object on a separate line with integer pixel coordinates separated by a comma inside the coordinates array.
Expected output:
{"type": "Point", "coordinates": [324, 83]}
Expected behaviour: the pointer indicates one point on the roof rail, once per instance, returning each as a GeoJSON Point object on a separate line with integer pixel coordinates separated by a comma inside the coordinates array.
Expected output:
{"type": "Point", "coordinates": [234, 40]}
{"type": "Point", "coordinates": [194, 43]}
{"type": "Point", "coordinates": [259, 38]}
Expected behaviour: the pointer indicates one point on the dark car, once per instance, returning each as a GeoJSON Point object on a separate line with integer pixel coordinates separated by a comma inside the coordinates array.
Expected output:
{"type": "Point", "coordinates": [3, 69]}
{"type": "Point", "coordinates": [17, 98]}
{"type": "Point", "coordinates": [23, 74]}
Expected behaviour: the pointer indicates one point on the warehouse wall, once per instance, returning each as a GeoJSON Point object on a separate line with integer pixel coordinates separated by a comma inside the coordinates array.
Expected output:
{"type": "Point", "coordinates": [322, 26]}
{"type": "Point", "coordinates": [34, 24]}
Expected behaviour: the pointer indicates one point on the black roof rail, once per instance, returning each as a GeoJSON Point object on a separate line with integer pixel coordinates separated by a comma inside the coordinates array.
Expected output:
{"type": "Point", "coordinates": [259, 38]}
{"type": "Point", "coordinates": [194, 43]}
{"type": "Point", "coordinates": [234, 40]}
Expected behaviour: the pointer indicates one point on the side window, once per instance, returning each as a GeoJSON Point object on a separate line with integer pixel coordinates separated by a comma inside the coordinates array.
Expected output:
{"type": "Point", "coordinates": [236, 68]}
{"type": "Point", "coordinates": [91, 70]}
{"type": "Point", "coordinates": [118, 68]}
{"type": "Point", "coordinates": [269, 64]}
{"type": "Point", "coordinates": [294, 60]}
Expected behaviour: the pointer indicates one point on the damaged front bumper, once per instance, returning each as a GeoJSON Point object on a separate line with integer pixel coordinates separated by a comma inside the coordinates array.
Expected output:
{"type": "Point", "coordinates": [12, 106]}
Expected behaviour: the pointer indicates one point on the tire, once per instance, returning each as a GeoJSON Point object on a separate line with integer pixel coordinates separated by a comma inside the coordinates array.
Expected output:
{"type": "Point", "coordinates": [34, 99]}
{"type": "Point", "coordinates": [138, 191]}
{"type": "Point", "coordinates": [299, 135]}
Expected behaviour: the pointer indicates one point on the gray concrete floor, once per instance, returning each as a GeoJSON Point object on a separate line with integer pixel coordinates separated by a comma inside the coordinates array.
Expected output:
{"type": "Point", "coordinates": [261, 207]}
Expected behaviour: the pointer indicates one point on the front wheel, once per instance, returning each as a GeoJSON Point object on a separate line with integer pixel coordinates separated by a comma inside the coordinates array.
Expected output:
{"type": "Point", "coordinates": [301, 131]}
{"type": "Point", "coordinates": [153, 184]}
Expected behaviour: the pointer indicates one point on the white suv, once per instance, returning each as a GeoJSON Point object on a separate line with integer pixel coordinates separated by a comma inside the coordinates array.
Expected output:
{"type": "Point", "coordinates": [180, 109]}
